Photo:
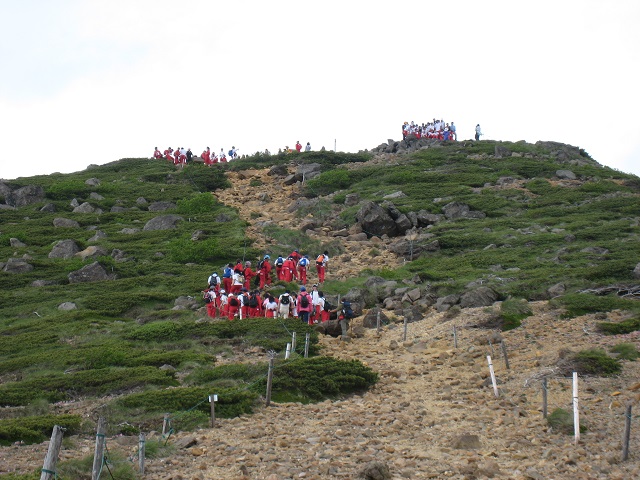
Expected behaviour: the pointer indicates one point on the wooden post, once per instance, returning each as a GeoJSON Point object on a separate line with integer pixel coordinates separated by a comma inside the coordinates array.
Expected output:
{"type": "Point", "coordinates": [293, 342]}
{"type": "Point", "coordinates": [455, 337]}
{"type": "Point", "coordinates": [493, 377]}
{"type": "Point", "coordinates": [544, 397]}
{"type": "Point", "coordinates": [627, 433]}
{"type": "Point", "coordinates": [493, 352]}
{"type": "Point", "coordinates": [504, 353]}
{"type": "Point", "coordinates": [141, 453]}
{"type": "Point", "coordinates": [165, 423]}
{"type": "Point", "coordinates": [307, 340]}
{"type": "Point", "coordinates": [378, 322]}
{"type": "Point", "coordinates": [576, 412]}
{"type": "Point", "coordinates": [269, 381]}
{"type": "Point", "coordinates": [98, 455]}
{"type": "Point", "coordinates": [287, 354]}
{"type": "Point", "coordinates": [213, 398]}
{"type": "Point", "coordinates": [404, 334]}
{"type": "Point", "coordinates": [49, 466]}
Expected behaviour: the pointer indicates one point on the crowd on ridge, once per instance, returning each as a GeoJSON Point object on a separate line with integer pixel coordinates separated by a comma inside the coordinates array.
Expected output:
{"type": "Point", "coordinates": [437, 129]}
{"type": "Point", "coordinates": [238, 292]}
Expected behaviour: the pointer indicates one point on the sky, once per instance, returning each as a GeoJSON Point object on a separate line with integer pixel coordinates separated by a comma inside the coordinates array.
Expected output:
{"type": "Point", "coordinates": [92, 81]}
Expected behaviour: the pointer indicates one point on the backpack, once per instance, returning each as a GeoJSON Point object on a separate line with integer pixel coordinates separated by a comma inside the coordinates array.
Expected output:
{"type": "Point", "coordinates": [260, 264]}
{"type": "Point", "coordinates": [320, 259]}
{"type": "Point", "coordinates": [304, 300]}
{"type": "Point", "coordinates": [303, 262]}
{"type": "Point", "coordinates": [213, 280]}
{"type": "Point", "coordinates": [347, 311]}
{"type": "Point", "coordinates": [327, 306]}
{"type": "Point", "coordinates": [241, 278]}
{"type": "Point", "coordinates": [285, 300]}
{"type": "Point", "coordinates": [233, 302]}
{"type": "Point", "coordinates": [227, 272]}
{"type": "Point", "coordinates": [253, 301]}
{"type": "Point", "coordinates": [208, 297]}
{"type": "Point", "coordinates": [245, 300]}
{"type": "Point", "coordinates": [279, 261]}
{"type": "Point", "coordinates": [231, 153]}
{"type": "Point", "coordinates": [256, 281]}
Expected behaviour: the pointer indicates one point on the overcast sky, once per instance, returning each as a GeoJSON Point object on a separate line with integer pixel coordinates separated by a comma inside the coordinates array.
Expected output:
{"type": "Point", "coordinates": [92, 81]}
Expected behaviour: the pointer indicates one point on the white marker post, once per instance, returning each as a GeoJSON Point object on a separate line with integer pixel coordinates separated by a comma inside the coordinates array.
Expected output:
{"type": "Point", "coordinates": [212, 400]}
{"type": "Point", "coordinates": [287, 354]}
{"type": "Point", "coordinates": [293, 342]}
{"type": "Point", "coordinates": [576, 413]}
{"type": "Point", "coordinates": [493, 377]}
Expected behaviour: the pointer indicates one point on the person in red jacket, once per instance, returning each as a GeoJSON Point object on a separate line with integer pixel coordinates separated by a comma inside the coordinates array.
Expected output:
{"type": "Point", "coordinates": [248, 275]}
{"type": "Point", "coordinates": [157, 154]}
{"type": "Point", "coordinates": [206, 156]}
{"type": "Point", "coordinates": [265, 272]}
{"type": "Point", "coordinates": [176, 156]}
{"type": "Point", "coordinates": [321, 265]}
{"type": "Point", "coordinates": [298, 146]}
{"type": "Point", "coordinates": [304, 305]}
{"type": "Point", "coordinates": [303, 263]}
{"type": "Point", "coordinates": [288, 269]}
{"type": "Point", "coordinates": [168, 154]}
{"type": "Point", "coordinates": [233, 304]}
{"type": "Point", "coordinates": [210, 298]}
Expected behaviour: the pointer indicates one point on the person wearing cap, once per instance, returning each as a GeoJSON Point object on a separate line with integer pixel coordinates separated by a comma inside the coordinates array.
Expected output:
{"type": "Point", "coordinates": [265, 272]}
{"type": "Point", "coordinates": [307, 147]}
{"type": "Point", "coordinates": [285, 302]}
{"type": "Point", "coordinates": [222, 303]}
{"type": "Point", "coordinates": [321, 265]}
{"type": "Point", "coordinates": [226, 277]}
{"type": "Point", "coordinates": [315, 303]}
{"type": "Point", "coordinates": [303, 263]}
{"type": "Point", "coordinates": [210, 298]}
{"type": "Point", "coordinates": [304, 305]}
{"type": "Point", "coordinates": [289, 270]}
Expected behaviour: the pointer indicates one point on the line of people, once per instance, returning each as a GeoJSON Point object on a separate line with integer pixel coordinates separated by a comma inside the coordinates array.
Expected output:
{"type": "Point", "coordinates": [231, 295]}
{"type": "Point", "coordinates": [437, 129]}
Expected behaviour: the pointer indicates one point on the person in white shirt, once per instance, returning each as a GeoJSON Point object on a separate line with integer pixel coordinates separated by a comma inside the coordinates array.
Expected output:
{"type": "Point", "coordinates": [478, 132]}
{"type": "Point", "coordinates": [285, 300]}
{"type": "Point", "coordinates": [307, 148]}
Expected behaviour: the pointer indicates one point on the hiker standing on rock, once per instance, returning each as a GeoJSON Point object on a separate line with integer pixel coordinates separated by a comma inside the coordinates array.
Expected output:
{"type": "Point", "coordinates": [478, 132]}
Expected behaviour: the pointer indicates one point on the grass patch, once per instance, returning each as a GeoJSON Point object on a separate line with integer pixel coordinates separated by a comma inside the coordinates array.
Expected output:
{"type": "Point", "coordinates": [562, 421]}
{"type": "Point", "coordinates": [626, 351]}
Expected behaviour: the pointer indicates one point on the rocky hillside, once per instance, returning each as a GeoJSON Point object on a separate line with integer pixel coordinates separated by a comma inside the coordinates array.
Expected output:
{"type": "Point", "coordinates": [433, 414]}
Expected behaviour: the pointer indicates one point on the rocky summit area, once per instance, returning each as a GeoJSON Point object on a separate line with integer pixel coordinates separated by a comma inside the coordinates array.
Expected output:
{"type": "Point", "coordinates": [433, 413]}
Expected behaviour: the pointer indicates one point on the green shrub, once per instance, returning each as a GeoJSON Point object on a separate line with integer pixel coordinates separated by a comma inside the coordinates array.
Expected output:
{"type": "Point", "coordinates": [35, 429]}
{"type": "Point", "coordinates": [236, 371]}
{"type": "Point", "coordinates": [562, 421]}
{"type": "Point", "coordinates": [158, 332]}
{"type": "Point", "coordinates": [512, 311]}
{"type": "Point", "coordinates": [594, 362]}
{"type": "Point", "coordinates": [314, 379]}
{"type": "Point", "coordinates": [199, 203]}
{"type": "Point", "coordinates": [626, 351]}
{"type": "Point", "coordinates": [81, 469]}
{"type": "Point", "coordinates": [578, 304]}
{"type": "Point", "coordinates": [620, 328]}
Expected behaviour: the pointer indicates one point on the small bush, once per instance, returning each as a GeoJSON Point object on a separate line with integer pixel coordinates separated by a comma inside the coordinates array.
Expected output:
{"type": "Point", "coordinates": [35, 429]}
{"type": "Point", "coordinates": [81, 469]}
{"type": "Point", "coordinates": [591, 362]}
{"type": "Point", "coordinates": [199, 203]}
{"type": "Point", "coordinates": [512, 311]}
{"type": "Point", "coordinates": [562, 421]}
{"type": "Point", "coordinates": [621, 328]}
{"type": "Point", "coordinates": [626, 351]}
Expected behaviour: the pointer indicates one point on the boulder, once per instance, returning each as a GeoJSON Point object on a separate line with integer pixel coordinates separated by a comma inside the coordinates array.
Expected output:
{"type": "Point", "coordinates": [456, 210]}
{"type": "Point", "coordinates": [424, 218]}
{"type": "Point", "coordinates": [412, 313]}
{"type": "Point", "coordinates": [289, 180]}
{"type": "Point", "coordinates": [118, 209]}
{"type": "Point", "coordinates": [376, 220]}
{"type": "Point", "coordinates": [15, 243]}
{"type": "Point", "coordinates": [278, 171]}
{"type": "Point", "coordinates": [97, 236]}
{"type": "Point", "coordinates": [4, 206]}
{"type": "Point", "coordinates": [65, 223]}
{"type": "Point", "coordinates": [17, 265]}
{"type": "Point", "coordinates": [351, 199]}
{"type": "Point", "coordinates": [479, 297]}
{"type": "Point", "coordinates": [163, 222]}
{"type": "Point", "coordinates": [370, 320]}
{"type": "Point", "coordinates": [92, 252]}
{"type": "Point", "coordinates": [595, 250]}
{"type": "Point", "coordinates": [141, 201]}
{"type": "Point", "coordinates": [186, 302]}
{"type": "Point", "coordinates": [636, 271]}
{"type": "Point", "coordinates": [391, 196]}
{"type": "Point", "coordinates": [5, 190]}
{"type": "Point", "coordinates": [501, 151]}
{"type": "Point", "coordinates": [375, 470]}
{"type": "Point", "coordinates": [95, 196]}
{"type": "Point", "coordinates": [466, 442]}
{"type": "Point", "coordinates": [66, 306]}
{"type": "Point", "coordinates": [445, 303]}
{"type": "Point", "coordinates": [161, 206]}
{"type": "Point", "coordinates": [565, 175]}
{"type": "Point", "coordinates": [403, 224]}
{"type": "Point", "coordinates": [92, 182]}
{"type": "Point", "coordinates": [49, 207]}
{"type": "Point", "coordinates": [64, 249]}
{"type": "Point", "coordinates": [556, 290]}
{"type": "Point", "coordinates": [331, 327]}
{"type": "Point", "coordinates": [94, 272]}
{"type": "Point", "coordinates": [74, 203]}
{"type": "Point", "coordinates": [84, 208]}
{"type": "Point", "coordinates": [308, 171]}
{"type": "Point", "coordinates": [25, 196]}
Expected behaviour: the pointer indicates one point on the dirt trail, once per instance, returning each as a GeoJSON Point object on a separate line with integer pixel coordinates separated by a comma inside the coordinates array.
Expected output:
{"type": "Point", "coordinates": [433, 413]}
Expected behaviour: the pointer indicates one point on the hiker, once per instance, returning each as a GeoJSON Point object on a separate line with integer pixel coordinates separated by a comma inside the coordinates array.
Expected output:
{"type": "Point", "coordinates": [307, 148]}
{"type": "Point", "coordinates": [265, 272]}
{"type": "Point", "coordinates": [214, 281]}
{"type": "Point", "coordinates": [304, 305]}
{"type": "Point", "coordinates": [453, 132]}
{"type": "Point", "coordinates": [298, 146]}
{"type": "Point", "coordinates": [270, 306]}
{"type": "Point", "coordinates": [303, 263]}
{"type": "Point", "coordinates": [248, 274]}
{"type": "Point", "coordinates": [284, 301]}
{"type": "Point", "coordinates": [289, 270]}
{"type": "Point", "coordinates": [157, 154]}
{"type": "Point", "coordinates": [279, 263]}
{"type": "Point", "coordinates": [346, 314]}
{"type": "Point", "coordinates": [315, 302]}
{"type": "Point", "coordinates": [206, 156]}
{"type": "Point", "coordinates": [233, 305]}
{"type": "Point", "coordinates": [243, 297]}
{"type": "Point", "coordinates": [222, 302]}
{"type": "Point", "coordinates": [254, 304]}
{"type": "Point", "coordinates": [321, 265]}
{"type": "Point", "coordinates": [189, 155]}
{"type": "Point", "coordinates": [237, 281]}
{"type": "Point", "coordinates": [210, 297]}
{"type": "Point", "coordinates": [226, 277]}
{"type": "Point", "coordinates": [478, 132]}
{"type": "Point", "coordinates": [326, 309]}
{"type": "Point", "coordinates": [168, 154]}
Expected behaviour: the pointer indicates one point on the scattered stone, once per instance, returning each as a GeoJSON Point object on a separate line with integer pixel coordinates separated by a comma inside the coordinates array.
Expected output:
{"type": "Point", "coordinates": [66, 306]}
{"type": "Point", "coordinates": [25, 196]}
{"type": "Point", "coordinates": [163, 222]}
{"type": "Point", "coordinates": [93, 272]}
{"type": "Point", "coordinates": [374, 470]}
{"type": "Point", "coordinates": [65, 223]}
{"type": "Point", "coordinates": [17, 265]}
{"type": "Point", "coordinates": [466, 442]}
{"type": "Point", "coordinates": [15, 243]}
{"type": "Point", "coordinates": [565, 175]}
{"type": "Point", "coordinates": [64, 249]}
{"type": "Point", "coordinates": [84, 208]}
{"type": "Point", "coordinates": [92, 182]}
{"type": "Point", "coordinates": [480, 297]}
{"type": "Point", "coordinates": [49, 207]}
{"type": "Point", "coordinates": [162, 206]}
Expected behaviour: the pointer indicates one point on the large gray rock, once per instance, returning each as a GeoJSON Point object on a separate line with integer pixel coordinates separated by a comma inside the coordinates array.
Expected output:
{"type": "Point", "coordinates": [424, 218]}
{"type": "Point", "coordinates": [66, 306]}
{"type": "Point", "coordinates": [17, 265]}
{"type": "Point", "coordinates": [161, 206]}
{"type": "Point", "coordinates": [501, 151]}
{"type": "Point", "coordinates": [49, 207]}
{"type": "Point", "coordinates": [5, 190]}
{"type": "Point", "coordinates": [565, 174]}
{"type": "Point", "coordinates": [308, 171]}
{"type": "Point", "coordinates": [84, 208]}
{"type": "Point", "coordinates": [351, 199]}
{"type": "Point", "coordinates": [94, 272]}
{"type": "Point", "coordinates": [92, 182]}
{"type": "Point", "coordinates": [163, 222]}
{"type": "Point", "coordinates": [64, 249]}
{"type": "Point", "coordinates": [376, 220]}
{"type": "Point", "coordinates": [278, 171]}
{"type": "Point", "coordinates": [480, 297]}
{"type": "Point", "coordinates": [25, 196]}
{"type": "Point", "coordinates": [92, 252]}
{"type": "Point", "coordinates": [375, 470]}
{"type": "Point", "coordinates": [65, 223]}
{"type": "Point", "coordinates": [95, 196]}
{"type": "Point", "coordinates": [456, 210]}
{"type": "Point", "coordinates": [403, 224]}
{"type": "Point", "coordinates": [98, 235]}
{"type": "Point", "coordinates": [16, 243]}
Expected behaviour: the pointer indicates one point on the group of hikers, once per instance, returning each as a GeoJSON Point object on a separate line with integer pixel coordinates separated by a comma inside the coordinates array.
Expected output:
{"type": "Point", "coordinates": [237, 293]}
{"type": "Point", "coordinates": [437, 129]}
{"type": "Point", "coordinates": [181, 157]}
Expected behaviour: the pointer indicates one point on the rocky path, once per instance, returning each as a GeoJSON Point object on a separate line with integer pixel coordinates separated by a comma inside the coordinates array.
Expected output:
{"type": "Point", "coordinates": [433, 413]}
